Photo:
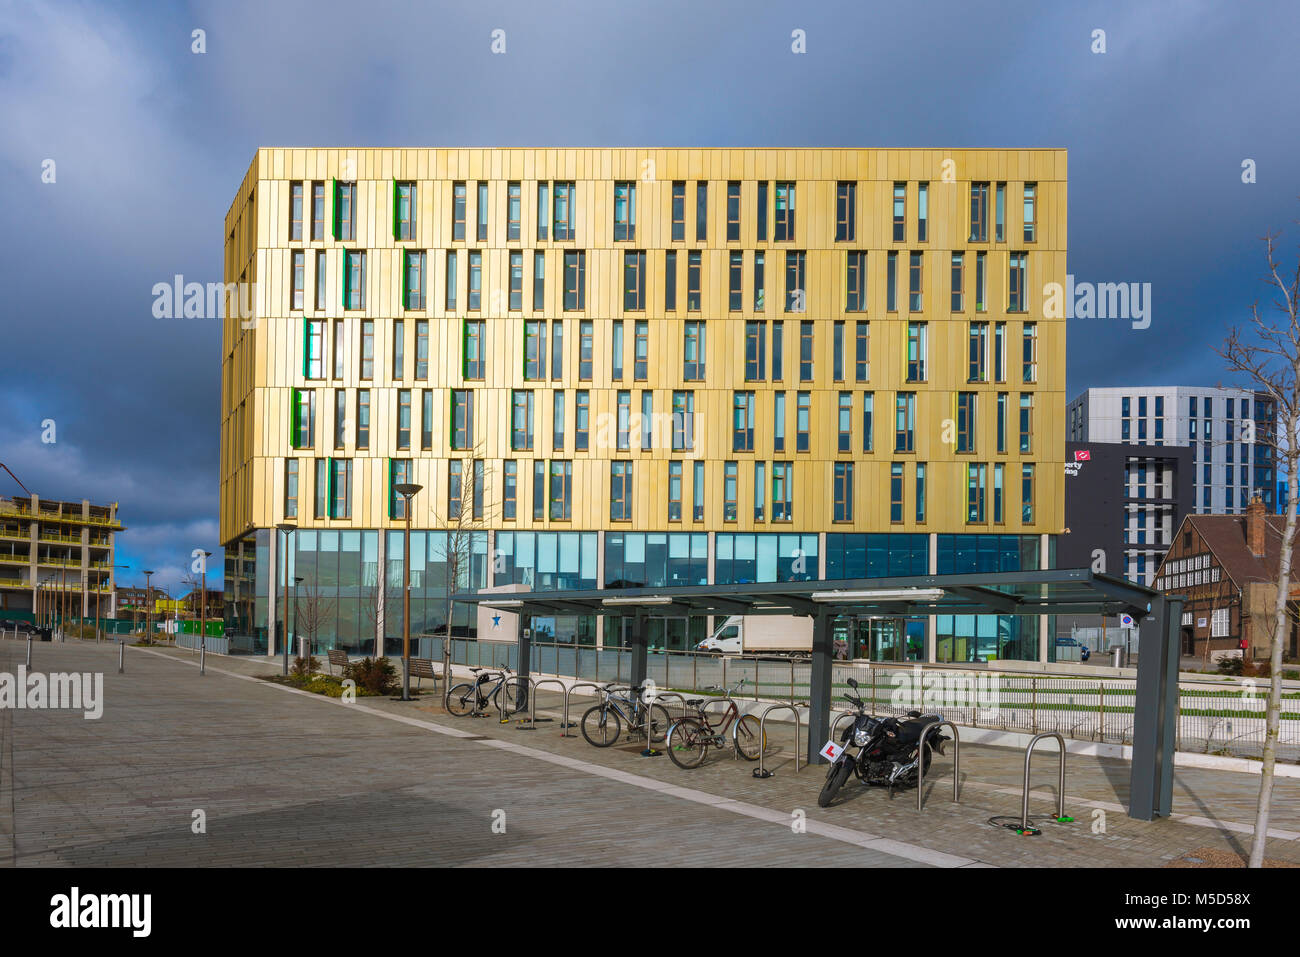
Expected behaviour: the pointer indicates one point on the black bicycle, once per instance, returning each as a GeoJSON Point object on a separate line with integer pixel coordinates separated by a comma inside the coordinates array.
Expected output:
{"type": "Point", "coordinates": [602, 723]}
{"type": "Point", "coordinates": [488, 688]}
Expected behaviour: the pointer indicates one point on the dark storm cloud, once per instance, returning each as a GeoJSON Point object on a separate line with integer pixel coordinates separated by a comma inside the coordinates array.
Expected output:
{"type": "Point", "coordinates": [151, 141]}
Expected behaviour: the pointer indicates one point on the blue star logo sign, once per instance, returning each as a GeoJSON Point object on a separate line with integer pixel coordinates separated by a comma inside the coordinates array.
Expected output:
{"type": "Point", "coordinates": [496, 621]}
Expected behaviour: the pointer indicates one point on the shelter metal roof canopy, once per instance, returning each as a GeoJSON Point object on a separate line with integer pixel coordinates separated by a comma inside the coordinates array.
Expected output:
{"type": "Point", "coordinates": [1068, 591]}
{"type": "Point", "coordinates": [1050, 592]}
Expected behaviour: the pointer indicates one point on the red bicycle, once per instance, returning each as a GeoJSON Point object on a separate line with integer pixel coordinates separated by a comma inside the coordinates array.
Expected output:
{"type": "Point", "coordinates": [689, 739]}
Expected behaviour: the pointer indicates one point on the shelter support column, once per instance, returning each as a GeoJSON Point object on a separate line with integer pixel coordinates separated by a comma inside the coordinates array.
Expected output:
{"type": "Point", "coordinates": [1155, 712]}
{"type": "Point", "coordinates": [637, 645]}
{"type": "Point", "coordinates": [524, 644]}
{"type": "Point", "coordinates": [819, 692]}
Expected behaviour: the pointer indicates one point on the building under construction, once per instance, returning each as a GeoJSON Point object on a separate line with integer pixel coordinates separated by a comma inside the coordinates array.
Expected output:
{"type": "Point", "coordinates": [63, 549]}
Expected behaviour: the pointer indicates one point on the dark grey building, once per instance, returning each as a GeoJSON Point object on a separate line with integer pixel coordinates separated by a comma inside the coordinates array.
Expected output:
{"type": "Point", "coordinates": [1123, 503]}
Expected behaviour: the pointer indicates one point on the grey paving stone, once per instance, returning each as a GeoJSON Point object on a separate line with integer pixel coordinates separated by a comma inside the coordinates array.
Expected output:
{"type": "Point", "coordinates": [298, 780]}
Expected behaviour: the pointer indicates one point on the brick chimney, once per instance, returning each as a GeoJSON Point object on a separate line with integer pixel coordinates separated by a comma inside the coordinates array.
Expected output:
{"type": "Point", "coordinates": [1255, 525]}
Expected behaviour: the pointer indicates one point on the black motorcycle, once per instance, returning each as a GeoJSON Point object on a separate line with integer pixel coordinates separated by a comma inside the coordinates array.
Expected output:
{"type": "Point", "coordinates": [888, 750]}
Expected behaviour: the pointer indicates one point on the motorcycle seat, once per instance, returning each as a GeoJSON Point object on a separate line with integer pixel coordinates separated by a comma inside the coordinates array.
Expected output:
{"type": "Point", "coordinates": [910, 730]}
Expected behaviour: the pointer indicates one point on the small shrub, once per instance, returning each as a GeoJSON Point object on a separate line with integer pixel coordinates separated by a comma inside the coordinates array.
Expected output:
{"type": "Point", "coordinates": [1229, 665]}
{"type": "Point", "coordinates": [1265, 670]}
{"type": "Point", "coordinates": [305, 667]}
{"type": "Point", "coordinates": [376, 675]}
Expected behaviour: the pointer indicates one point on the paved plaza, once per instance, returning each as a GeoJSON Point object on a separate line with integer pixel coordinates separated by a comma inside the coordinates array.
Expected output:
{"type": "Point", "coordinates": [285, 778]}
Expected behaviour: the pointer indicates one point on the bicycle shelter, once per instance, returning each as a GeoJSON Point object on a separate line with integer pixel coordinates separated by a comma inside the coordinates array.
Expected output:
{"type": "Point", "coordinates": [1028, 593]}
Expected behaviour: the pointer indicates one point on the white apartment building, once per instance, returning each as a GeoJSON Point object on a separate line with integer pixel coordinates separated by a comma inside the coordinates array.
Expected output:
{"type": "Point", "coordinates": [1218, 424]}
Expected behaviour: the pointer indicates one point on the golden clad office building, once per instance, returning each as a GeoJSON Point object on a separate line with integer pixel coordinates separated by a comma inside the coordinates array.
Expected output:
{"type": "Point", "coordinates": [627, 367]}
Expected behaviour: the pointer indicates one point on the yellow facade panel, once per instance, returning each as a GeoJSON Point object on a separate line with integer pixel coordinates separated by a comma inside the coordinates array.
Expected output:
{"type": "Point", "coordinates": [263, 365]}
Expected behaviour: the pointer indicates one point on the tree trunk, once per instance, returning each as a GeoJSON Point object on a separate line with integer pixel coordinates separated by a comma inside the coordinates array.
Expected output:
{"type": "Point", "coordinates": [1272, 721]}
{"type": "Point", "coordinates": [453, 575]}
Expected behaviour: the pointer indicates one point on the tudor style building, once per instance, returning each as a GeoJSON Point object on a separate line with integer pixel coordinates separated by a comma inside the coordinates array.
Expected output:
{"type": "Point", "coordinates": [1226, 566]}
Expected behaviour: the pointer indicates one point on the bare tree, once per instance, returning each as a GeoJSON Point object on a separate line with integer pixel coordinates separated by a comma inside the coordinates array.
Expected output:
{"type": "Point", "coordinates": [194, 586]}
{"type": "Point", "coordinates": [377, 599]}
{"type": "Point", "coordinates": [469, 510]}
{"type": "Point", "coordinates": [374, 608]}
{"type": "Point", "coordinates": [314, 611]}
{"type": "Point", "coordinates": [1268, 352]}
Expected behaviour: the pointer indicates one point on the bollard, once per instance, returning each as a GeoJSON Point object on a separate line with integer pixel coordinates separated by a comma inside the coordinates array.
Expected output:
{"type": "Point", "coordinates": [203, 651]}
{"type": "Point", "coordinates": [121, 657]}
{"type": "Point", "coordinates": [1061, 816]}
{"type": "Point", "coordinates": [29, 651]}
{"type": "Point", "coordinates": [565, 726]}
{"type": "Point", "coordinates": [924, 746]}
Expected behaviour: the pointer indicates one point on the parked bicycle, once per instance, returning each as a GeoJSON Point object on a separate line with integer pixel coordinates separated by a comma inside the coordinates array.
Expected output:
{"type": "Point", "coordinates": [690, 738]}
{"type": "Point", "coordinates": [489, 687]}
{"type": "Point", "coordinates": [602, 723]}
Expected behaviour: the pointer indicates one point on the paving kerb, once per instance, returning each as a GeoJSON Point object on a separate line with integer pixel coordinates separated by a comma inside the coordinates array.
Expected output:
{"type": "Point", "coordinates": [862, 839]}
{"type": "Point", "coordinates": [1143, 845]}
{"type": "Point", "coordinates": [1007, 751]}
{"type": "Point", "coordinates": [1008, 767]}
{"type": "Point", "coordinates": [293, 782]}
{"type": "Point", "coordinates": [1204, 792]}
{"type": "Point", "coordinates": [997, 737]}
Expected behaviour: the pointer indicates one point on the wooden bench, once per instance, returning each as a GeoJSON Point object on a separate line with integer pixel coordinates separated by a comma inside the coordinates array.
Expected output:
{"type": "Point", "coordinates": [339, 657]}
{"type": "Point", "coordinates": [423, 668]}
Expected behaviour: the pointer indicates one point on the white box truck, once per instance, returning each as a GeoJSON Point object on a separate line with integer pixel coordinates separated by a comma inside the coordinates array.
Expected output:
{"type": "Point", "coordinates": [789, 635]}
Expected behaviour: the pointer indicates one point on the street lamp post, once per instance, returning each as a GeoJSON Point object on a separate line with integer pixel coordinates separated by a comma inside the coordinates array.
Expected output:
{"type": "Point", "coordinates": [148, 608]}
{"type": "Point", "coordinates": [406, 490]}
{"type": "Point", "coordinates": [203, 613]}
{"type": "Point", "coordinates": [288, 528]}
{"type": "Point", "coordinates": [296, 634]}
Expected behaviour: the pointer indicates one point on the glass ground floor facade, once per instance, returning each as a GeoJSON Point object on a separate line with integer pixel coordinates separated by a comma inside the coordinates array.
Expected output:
{"type": "Point", "coordinates": [337, 596]}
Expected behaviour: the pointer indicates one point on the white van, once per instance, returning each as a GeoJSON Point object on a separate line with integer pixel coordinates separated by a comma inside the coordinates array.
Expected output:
{"type": "Point", "coordinates": [761, 635]}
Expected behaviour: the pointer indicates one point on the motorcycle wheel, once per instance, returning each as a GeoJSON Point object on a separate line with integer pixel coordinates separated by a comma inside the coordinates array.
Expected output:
{"type": "Point", "coordinates": [835, 778]}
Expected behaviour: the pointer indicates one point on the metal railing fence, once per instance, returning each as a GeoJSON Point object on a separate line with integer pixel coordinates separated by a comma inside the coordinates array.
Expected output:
{"type": "Point", "coordinates": [1214, 717]}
